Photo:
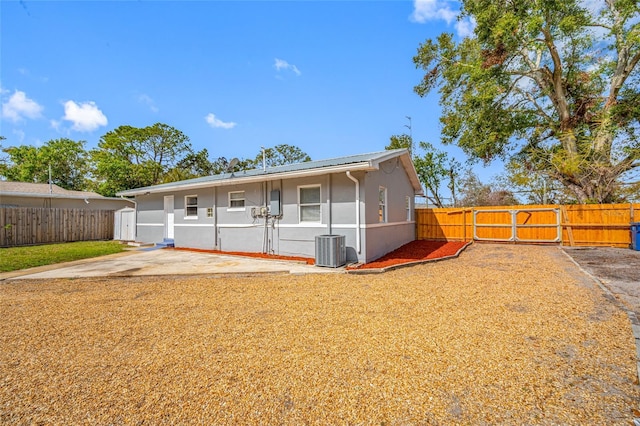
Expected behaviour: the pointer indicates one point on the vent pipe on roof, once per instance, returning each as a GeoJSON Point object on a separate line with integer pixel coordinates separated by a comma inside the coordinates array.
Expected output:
{"type": "Point", "coordinates": [357, 182]}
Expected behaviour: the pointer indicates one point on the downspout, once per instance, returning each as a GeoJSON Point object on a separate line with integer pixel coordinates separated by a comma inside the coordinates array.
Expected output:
{"type": "Point", "coordinates": [330, 229]}
{"type": "Point", "coordinates": [215, 218]}
{"type": "Point", "coordinates": [357, 210]}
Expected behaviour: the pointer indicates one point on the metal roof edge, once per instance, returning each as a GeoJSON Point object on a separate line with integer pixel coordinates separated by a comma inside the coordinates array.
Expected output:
{"type": "Point", "coordinates": [412, 173]}
{"type": "Point", "coordinates": [365, 165]}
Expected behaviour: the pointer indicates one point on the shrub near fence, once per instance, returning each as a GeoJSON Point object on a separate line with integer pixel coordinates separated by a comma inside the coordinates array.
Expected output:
{"type": "Point", "coordinates": [20, 226]}
{"type": "Point", "coordinates": [580, 225]}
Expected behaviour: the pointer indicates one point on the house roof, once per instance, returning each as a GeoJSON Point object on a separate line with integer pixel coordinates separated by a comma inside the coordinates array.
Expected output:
{"type": "Point", "coordinates": [37, 190]}
{"type": "Point", "coordinates": [370, 161]}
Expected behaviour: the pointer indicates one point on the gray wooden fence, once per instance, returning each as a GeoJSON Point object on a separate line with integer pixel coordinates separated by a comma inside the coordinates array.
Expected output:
{"type": "Point", "coordinates": [20, 226]}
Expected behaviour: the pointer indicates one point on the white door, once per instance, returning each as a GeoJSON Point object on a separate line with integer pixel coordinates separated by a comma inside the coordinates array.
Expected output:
{"type": "Point", "coordinates": [168, 216]}
{"type": "Point", "coordinates": [128, 225]}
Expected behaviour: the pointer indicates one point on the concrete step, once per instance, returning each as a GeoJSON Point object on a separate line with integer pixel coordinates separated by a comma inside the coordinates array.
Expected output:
{"type": "Point", "coordinates": [166, 242]}
{"type": "Point", "coordinates": [139, 244]}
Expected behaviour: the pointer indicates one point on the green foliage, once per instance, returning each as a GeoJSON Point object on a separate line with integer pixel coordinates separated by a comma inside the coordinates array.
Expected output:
{"type": "Point", "coordinates": [67, 159]}
{"type": "Point", "coordinates": [279, 155]}
{"type": "Point", "coordinates": [192, 165]}
{"type": "Point", "coordinates": [16, 258]}
{"type": "Point", "coordinates": [474, 193]}
{"type": "Point", "coordinates": [197, 164]}
{"type": "Point", "coordinates": [537, 84]}
{"type": "Point", "coordinates": [127, 157]}
{"type": "Point", "coordinates": [534, 187]}
{"type": "Point", "coordinates": [130, 157]}
{"type": "Point", "coordinates": [403, 141]}
{"type": "Point", "coordinates": [433, 167]}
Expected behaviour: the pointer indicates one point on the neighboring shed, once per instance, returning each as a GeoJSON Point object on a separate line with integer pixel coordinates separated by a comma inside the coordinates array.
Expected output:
{"type": "Point", "coordinates": [368, 198]}
{"type": "Point", "coordinates": [124, 224]}
{"type": "Point", "coordinates": [43, 195]}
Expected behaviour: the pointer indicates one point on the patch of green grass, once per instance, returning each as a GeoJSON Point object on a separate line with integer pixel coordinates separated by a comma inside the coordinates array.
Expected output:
{"type": "Point", "coordinates": [15, 258]}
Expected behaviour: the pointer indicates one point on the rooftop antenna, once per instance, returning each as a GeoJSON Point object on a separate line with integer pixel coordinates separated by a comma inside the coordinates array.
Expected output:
{"type": "Point", "coordinates": [408, 126]}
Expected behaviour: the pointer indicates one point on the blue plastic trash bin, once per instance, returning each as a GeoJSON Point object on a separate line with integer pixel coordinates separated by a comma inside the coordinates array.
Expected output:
{"type": "Point", "coordinates": [635, 236]}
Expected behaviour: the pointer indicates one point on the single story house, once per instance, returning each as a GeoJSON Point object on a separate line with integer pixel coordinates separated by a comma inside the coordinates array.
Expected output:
{"type": "Point", "coordinates": [367, 198]}
{"type": "Point", "coordinates": [43, 195]}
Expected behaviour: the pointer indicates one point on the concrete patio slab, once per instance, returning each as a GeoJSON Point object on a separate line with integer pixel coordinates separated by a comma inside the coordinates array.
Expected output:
{"type": "Point", "coordinates": [165, 262]}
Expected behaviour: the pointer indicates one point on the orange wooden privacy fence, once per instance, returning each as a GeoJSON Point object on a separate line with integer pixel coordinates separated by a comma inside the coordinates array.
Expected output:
{"type": "Point", "coordinates": [571, 225]}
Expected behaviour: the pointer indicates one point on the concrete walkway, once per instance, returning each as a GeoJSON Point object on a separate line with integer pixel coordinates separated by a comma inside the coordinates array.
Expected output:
{"type": "Point", "coordinates": [165, 262]}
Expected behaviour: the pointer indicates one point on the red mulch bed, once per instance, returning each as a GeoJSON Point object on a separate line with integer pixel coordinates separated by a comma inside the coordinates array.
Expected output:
{"type": "Point", "coordinates": [307, 260]}
{"type": "Point", "coordinates": [414, 251]}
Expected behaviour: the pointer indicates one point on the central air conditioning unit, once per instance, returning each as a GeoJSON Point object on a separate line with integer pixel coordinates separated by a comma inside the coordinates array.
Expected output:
{"type": "Point", "coordinates": [331, 250]}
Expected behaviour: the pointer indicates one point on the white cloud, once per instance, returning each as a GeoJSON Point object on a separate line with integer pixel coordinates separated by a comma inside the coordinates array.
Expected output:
{"type": "Point", "coordinates": [19, 134]}
{"type": "Point", "coordinates": [465, 27]}
{"type": "Point", "coordinates": [55, 124]}
{"type": "Point", "coordinates": [428, 10]}
{"type": "Point", "coordinates": [146, 99]}
{"type": "Point", "coordinates": [19, 107]}
{"type": "Point", "coordinates": [85, 117]}
{"type": "Point", "coordinates": [281, 64]}
{"type": "Point", "coordinates": [433, 10]}
{"type": "Point", "coordinates": [217, 123]}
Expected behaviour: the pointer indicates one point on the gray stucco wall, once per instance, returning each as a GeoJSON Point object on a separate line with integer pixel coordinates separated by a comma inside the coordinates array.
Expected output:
{"type": "Point", "coordinates": [150, 218]}
{"type": "Point", "coordinates": [235, 229]}
{"type": "Point", "coordinates": [383, 237]}
{"type": "Point", "coordinates": [194, 231]}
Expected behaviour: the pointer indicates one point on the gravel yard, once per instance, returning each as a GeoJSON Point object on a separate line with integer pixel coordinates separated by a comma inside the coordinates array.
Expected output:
{"type": "Point", "coordinates": [501, 335]}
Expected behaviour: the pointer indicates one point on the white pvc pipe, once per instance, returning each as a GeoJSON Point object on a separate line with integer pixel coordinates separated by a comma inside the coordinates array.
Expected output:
{"type": "Point", "coordinates": [357, 210]}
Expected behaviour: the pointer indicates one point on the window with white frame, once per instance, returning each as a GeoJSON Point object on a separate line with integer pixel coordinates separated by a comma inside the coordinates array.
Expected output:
{"type": "Point", "coordinates": [309, 203]}
{"type": "Point", "coordinates": [382, 204]}
{"type": "Point", "coordinates": [408, 207]}
{"type": "Point", "coordinates": [191, 206]}
{"type": "Point", "coordinates": [236, 200]}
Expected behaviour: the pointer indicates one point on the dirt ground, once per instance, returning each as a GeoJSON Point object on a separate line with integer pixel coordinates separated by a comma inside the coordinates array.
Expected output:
{"type": "Point", "coordinates": [617, 268]}
{"type": "Point", "coordinates": [501, 335]}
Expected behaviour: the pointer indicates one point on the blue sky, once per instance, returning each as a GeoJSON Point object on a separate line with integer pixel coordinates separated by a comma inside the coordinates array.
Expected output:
{"type": "Point", "coordinates": [332, 77]}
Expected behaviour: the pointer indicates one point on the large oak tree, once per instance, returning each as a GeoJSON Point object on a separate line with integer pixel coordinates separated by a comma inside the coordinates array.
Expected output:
{"type": "Point", "coordinates": [131, 157]}
{"type": "Point", "coordinates": [551, 83]}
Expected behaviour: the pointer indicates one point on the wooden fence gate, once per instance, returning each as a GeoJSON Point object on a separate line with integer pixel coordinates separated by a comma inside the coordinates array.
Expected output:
{"type": "Point", "coordinates": [570, 225]}
{"type": "Point", "coordinates": [526, 225]}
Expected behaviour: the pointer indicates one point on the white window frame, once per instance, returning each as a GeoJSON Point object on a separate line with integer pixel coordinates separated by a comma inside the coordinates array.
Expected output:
{"type": "Point", "coordinates": [408, 207]}
{"type": "Point", "coordinates": [187, 205]}
{"type": "Point", "coordinates": [319, 204]}
{"type": "Point", "coordinates": [236, 209]}
{"type": "Point", "coordinates": [382, 205]}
